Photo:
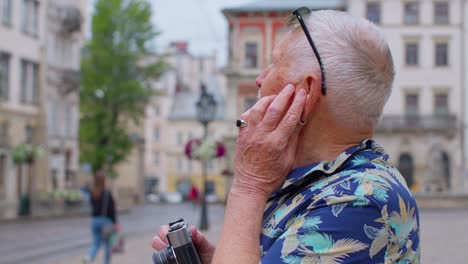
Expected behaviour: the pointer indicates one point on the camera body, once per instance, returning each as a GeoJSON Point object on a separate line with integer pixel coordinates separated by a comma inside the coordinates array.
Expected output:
{"type": "Point", "coordinates": [181, 249]}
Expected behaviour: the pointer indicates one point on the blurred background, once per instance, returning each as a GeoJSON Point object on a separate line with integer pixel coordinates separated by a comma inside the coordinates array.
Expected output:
{"type": "Point", "coordinates": [149, 91]}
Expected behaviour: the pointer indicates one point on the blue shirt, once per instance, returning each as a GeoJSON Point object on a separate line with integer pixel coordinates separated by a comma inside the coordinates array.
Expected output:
{"type": "Point", "coordinates": [355, 209]}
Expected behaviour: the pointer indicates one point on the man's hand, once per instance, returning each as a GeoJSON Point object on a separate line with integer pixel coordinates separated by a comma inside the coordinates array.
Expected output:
{"type": "Point", "coordinates": [266, 148]}
{"type": "Point", "coordinates": [265, 154]}
{"type": "Point", "coordinates": [204, 247]}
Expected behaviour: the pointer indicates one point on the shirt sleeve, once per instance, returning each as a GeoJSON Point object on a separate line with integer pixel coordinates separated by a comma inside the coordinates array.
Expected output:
{"type": "Point", "coordinates": [332, 232]}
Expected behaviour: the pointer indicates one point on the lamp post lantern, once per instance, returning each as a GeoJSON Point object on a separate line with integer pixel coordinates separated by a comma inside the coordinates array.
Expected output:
{"type": "Point", "coordinates": [206, 112]}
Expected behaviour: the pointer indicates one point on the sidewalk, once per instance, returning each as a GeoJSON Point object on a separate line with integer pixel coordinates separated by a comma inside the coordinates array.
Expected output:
{"type": "Point", "coordinates": [138, 250]}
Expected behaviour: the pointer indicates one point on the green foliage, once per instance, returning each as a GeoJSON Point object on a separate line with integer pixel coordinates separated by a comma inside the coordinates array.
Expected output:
{"type": "Point", "coordinates": [114, 71]}
{"type": "Point", "coordinates": [26, 153]}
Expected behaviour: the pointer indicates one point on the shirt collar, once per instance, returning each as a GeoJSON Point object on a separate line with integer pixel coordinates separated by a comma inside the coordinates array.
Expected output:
{"type": "Point", "coordinates": [297, 175]}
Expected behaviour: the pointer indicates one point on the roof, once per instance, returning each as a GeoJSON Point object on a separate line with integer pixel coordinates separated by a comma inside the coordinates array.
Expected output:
{"type": "Point", "coordinates": [286, 5]}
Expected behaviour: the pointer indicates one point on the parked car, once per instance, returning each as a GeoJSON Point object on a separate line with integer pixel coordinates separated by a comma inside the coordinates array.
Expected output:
{"type": "Point", "coordinates": [153, 198]}
{"type": "Point", "coordinates": [212, 198]}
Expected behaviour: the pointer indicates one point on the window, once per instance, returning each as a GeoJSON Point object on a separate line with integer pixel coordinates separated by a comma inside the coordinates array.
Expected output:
{"type": "Point", "coordinates": [251, 55]}
{"type": "Point", "coordinates": [441, 104]}
{"type": "Point", "coordinates": [4, 76]}
{"type": "Point", "coordinates": [373, 12]}
{"type": "Point", "coordinates": [179, 164]}
{"type": "Point", "coordinates": [406, 167]}
{"type": "Point", "coordinates": [156, 157]}
{"type": "Point", "coordinates": [189, 165]}
{"type": "Point", "coordinates": [29, 82]}
{"type": "Point", "coordinates": [201, 66]}
{"type": "Point", "coordinates": [6, 12]}
{"type": "Point", "coordinates": [68, 120]}
{"type": "Point", "coordinates": [210, 165]}
{"type": "Point", "coordinates": [412, 54]}
{"type": "Point", "coordinates": [157, 110]}
{"type": "Point", "coordinates": [156, 134]}
{"type": "Point", "coordinates": [4, 140]}
{"type": "Point", "coordinates": [3, 163]}
{"type": "Point", "coordinates": [29, 134]}
{"type": "Point", "coordinates": [53, 118]}
{"type": "Point", "coordinates": [30, 20]}
{"type": "Point", "coordinates": [441, 12]}
{"type": "Point", "coordinates": [54, 179]}
{"type": "Point", "coordinates": [441, 54]}
{"type": "Point", "coordinates": [249, 102]}
{"type": "Point", "coordinates": [411, 13]}
{"type": "Point", "coordinates": [210, 187]}
{"type": "Point", "coordinates": [412, 104]}
{"type": "Point", "coordinates": [180, 138]}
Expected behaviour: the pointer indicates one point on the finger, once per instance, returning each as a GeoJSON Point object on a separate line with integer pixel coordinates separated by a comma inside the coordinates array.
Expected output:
{"type": "Point", "coordinates": [255, 114]}
{"type": "Point", "coordinates": [203, 245]}
{"type": "Point", "coordinates": [162, 233]}
{"type": "Point", "coordinates": [158, 244]}
{"type": "Point", "coordinates": [276, 109]}
{"type": "Point", "coordinates": [288, 124]}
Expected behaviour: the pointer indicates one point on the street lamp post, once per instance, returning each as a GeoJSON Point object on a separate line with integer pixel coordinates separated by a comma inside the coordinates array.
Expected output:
{"type": "Point", "coordinates": [206, 112]}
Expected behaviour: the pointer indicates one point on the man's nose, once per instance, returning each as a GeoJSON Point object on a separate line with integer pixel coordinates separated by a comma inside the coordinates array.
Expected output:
{"type": "Point", "coordinates": [262, 77]}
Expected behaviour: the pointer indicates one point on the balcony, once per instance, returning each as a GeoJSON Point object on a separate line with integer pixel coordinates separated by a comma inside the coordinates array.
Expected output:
{"type": "Point", "coordinates": [70, 81]}
{"type": "Point", "coordinates": [443, 124]}
{"type": "Point", "coordinates": [70, 20]}
{"type": "Point", "coordinates": [66, 81]}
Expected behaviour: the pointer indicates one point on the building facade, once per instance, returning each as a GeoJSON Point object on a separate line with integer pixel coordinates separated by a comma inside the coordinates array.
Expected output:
{"type": "Point", "coordinates": [64, 39]}
{"type": "Point", "coordinates": [34, 64]}
{"type": "Point", "coordinates": [171, 122]}
{"type": "Point", "coordinates": [423, 124]}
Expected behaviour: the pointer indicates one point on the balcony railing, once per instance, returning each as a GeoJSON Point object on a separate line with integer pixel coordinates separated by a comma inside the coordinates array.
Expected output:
{"type": "Point", "coordinates": [445, 124]}
{"type": "Point", "coordinates": [66, 81]}
{"type": "Point", "coordinates": [70, 19]}
{"type": "Point", "coordinates": [69, 82]}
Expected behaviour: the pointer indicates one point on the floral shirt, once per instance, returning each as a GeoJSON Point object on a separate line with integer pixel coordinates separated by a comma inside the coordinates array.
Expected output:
{"type": "Point", "coordinates": [355, 209]}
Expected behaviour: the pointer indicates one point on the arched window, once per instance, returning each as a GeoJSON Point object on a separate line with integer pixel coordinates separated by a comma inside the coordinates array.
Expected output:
{"type": "Point", "coordinates": [406, 167]}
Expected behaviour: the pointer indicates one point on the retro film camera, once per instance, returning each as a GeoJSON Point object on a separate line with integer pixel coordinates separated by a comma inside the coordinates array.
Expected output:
{"type": "Point", "coordinates": [181, 249]}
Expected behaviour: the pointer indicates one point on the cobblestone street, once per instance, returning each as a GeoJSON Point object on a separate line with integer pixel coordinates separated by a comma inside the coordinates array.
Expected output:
{"type": "Point", "coordinates": [64, 241]}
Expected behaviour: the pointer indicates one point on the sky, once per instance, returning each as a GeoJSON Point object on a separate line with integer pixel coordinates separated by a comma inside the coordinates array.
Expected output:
{"type": "Point", "coordinates": [199, 22]}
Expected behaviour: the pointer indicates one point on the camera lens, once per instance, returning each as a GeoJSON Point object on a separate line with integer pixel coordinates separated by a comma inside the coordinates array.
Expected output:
{"type": "Point", "coordinates": [165, 256]}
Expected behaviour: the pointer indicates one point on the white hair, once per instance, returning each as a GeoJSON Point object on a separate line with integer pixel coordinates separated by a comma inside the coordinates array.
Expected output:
{"type": "Point", "coordinates": [358, 65]}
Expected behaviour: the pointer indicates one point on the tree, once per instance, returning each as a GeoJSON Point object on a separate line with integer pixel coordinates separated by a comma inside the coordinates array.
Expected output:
{"type": "Point", "coordinates": [114, 72]}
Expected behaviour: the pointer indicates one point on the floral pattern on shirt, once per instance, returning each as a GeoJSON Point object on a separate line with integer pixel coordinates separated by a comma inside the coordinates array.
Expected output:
{"type": "Point", "coordinates": [355, 209]}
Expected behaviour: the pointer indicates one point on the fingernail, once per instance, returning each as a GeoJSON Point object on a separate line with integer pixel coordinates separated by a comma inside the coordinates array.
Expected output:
{"type": "Point", "coordinates": [289, 88]}
{"type": "Point", "coordinates": [302, 92]}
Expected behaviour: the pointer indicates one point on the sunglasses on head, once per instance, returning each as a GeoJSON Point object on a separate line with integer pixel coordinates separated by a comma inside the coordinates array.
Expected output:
{"type": "Point", "coordinates": [304, 12]}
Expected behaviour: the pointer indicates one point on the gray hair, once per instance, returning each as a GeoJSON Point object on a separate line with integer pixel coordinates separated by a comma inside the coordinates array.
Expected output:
{"type": "Point", "coordinates": [358, 65]}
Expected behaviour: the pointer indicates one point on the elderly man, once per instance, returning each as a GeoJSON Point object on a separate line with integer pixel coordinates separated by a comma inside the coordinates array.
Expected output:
{"type": "Point", "coordinates": [310, 185]}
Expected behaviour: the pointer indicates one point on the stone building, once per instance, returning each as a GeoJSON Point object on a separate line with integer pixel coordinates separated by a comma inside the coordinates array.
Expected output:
{"type": "Point", "coordinates": [39, 64]}
{"type": "Point", "coordinates": [171, 122]}
{"type": "Point", "coordinates": [423, 123]}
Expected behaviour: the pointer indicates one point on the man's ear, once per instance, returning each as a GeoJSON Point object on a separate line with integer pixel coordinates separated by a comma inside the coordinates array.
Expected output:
{"type": "Point", "coordinates": [313, 88]}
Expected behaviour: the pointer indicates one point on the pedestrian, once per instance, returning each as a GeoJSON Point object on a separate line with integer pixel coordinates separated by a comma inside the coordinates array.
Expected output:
{"type": "Point", "coordinates": [193, 195]}
{"type": "Point", "coordinates": [311, 185]}
{"type": "Point", "coordinates": [103, 220]}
